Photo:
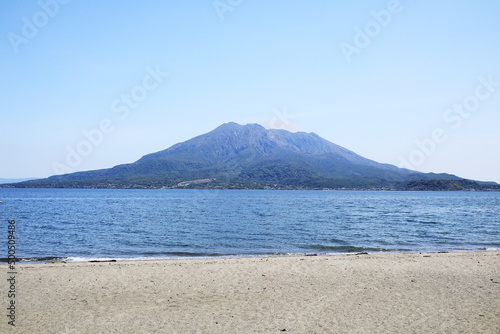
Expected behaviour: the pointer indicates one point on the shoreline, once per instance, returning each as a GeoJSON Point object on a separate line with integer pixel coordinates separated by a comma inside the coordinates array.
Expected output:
{"type": "Point", "coordinates": [76, 259]}
{"type": "Point", "coordinates": [369, 293]}
{"type": "Point", "coordinates": [16, 186]}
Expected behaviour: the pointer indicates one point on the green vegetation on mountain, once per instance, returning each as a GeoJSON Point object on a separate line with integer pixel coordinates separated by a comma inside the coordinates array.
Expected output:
{"type": "Point", "coordinates": [440, 185]}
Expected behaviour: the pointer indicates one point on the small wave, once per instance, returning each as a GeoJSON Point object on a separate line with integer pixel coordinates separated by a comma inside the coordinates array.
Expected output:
{"type": "Point", "coordinates": [36, 259]}
{"type": "Point", "coordinates": [262, 214]}
{"type": "Point", "coordinates": [339, 241]}
{"type": "Point", "coordinates": [344, 249]}
{"type": "Point", "coordinates": [182, 254]}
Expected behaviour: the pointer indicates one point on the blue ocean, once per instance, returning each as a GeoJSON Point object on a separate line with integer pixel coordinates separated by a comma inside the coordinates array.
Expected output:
{"type": "Point", "coordinates": [100, 224]}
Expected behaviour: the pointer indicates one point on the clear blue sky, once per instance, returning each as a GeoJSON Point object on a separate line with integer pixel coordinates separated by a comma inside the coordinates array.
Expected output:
{"type": "Point", "coordinates": [373, 76]}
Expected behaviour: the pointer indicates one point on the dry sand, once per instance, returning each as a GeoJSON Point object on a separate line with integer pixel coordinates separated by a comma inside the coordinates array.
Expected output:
{"type": "Point", "coordinates": [388, 293]}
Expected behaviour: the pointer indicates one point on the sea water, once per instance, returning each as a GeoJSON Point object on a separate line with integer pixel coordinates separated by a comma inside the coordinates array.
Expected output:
{"type": "Point", "coordinates": [84, 224]}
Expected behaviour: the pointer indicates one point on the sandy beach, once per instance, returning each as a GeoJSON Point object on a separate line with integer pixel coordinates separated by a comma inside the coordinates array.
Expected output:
{"type": "Point", "coordinates": [382, 293]}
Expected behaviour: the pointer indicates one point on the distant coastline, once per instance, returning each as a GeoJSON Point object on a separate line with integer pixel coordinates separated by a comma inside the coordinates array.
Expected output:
{"type": "Point", "coordinates": [209, 184]}
{"type": "Point", "coordinates": [6, 181]}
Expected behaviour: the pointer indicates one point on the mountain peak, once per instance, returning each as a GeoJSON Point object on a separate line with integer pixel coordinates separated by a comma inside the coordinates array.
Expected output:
{"type": "Point", "coordinates": [229, 125]}
{"type": "Point", "coordinates": [230, 141]}
{"type": "Point", "coordinates": [236, 126]}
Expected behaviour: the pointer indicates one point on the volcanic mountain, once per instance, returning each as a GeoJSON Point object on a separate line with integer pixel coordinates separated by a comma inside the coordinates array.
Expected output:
{"type": "Point", "coordinates": [249, 156]}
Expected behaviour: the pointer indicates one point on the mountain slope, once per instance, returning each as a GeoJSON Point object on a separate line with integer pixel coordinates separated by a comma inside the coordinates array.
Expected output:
{"type": "Point", "coordinates": [247, 156]}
